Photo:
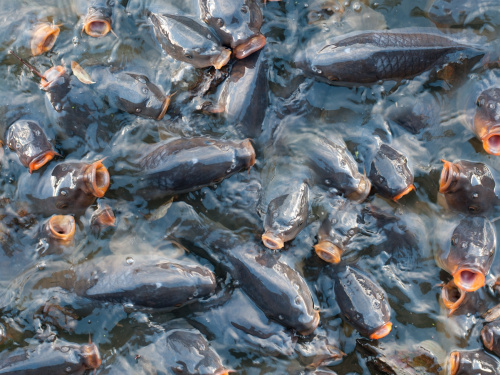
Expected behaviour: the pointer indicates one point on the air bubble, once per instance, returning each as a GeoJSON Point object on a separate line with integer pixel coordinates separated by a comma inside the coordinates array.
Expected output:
{"type": "Point", "coordinates": [130, 261]}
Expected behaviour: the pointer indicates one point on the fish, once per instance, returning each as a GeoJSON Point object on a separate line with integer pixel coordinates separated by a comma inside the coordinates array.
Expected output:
{"type": "Point", "coordinates": [58, 231]}
{"type": "Point", "coordinates": [68, 187]}
{"type": "Point", "coordinates": [28, 139]}
{"type": "Point", "coordinates": [146, 281]}
{"type": "Point", "coordinates": [446, 13]}
{"type": "Point", "coordinates": [479, 98]}
{"type": "Point", "coordinates": [362, 302]}
{"type": "Point", "coordinates": [237, 23]}
{"type": "Point", "coordinates": [390, 174]}
{"type": "Point", "coordinates": [477, 362]}
{"type": "Point", "coordinates": [186, 40]}
{"type": "Point", "coordinates": [243, 97]}
{"type": "Point", "coordinates": [57, 358]}
{"type": "Point", "coordinates": [469, 187]}
{"type": "Point", "coordinates": [286, 215]}
{"type": "Point", "coordinates": [43, 37]}
{"type": "Point", "coordinates": [490, 336]}
{"type": "Point", "coordinates": [103, 217]}
{"type": "Point", "coordinates": [98, 20]}
{"type": "Point", "coordinates": [458, 301]}
{"type": "Point", "coordinates": [469, 253]}
{"type": "Point", "coordinates": [131, 92]}
{"type": "Point", "coordinates": [186, 164]}
{"type": "Point", "coordinates": [365, 57]}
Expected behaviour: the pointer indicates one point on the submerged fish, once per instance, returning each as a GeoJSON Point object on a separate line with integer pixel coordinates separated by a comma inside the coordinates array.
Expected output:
{"type": "Point", "coordinates": [370, 56]}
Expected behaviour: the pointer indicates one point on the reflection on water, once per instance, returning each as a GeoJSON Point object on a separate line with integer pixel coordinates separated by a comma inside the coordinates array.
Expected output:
{"type": "Point", "coordinates": [422, 117]}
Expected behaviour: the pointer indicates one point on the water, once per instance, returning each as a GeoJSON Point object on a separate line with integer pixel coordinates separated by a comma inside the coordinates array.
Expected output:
{"type": "Point", "coordinates": [403, 265]}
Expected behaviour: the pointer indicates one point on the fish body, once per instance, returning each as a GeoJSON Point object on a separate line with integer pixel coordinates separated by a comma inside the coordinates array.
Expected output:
{"type": "Point", "coordinates": [237, 23]}
{"type": "Point", "coordinates": [187, 164]}
{"type": "Point", "coordinates": [186, 40]}
{"type": "Point", "coordinates": [477, 362]}
{"type": "Point", "coordinates": [365, 57]}
{"type": "Point", "coordinates": [363, 303]}
{"type": "Point", "coordinates": [462, 12]}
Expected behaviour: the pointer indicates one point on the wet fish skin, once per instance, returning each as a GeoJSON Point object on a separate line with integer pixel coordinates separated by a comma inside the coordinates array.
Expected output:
{"type": "Point", "coordinates": [362, 302]}
{"type": "Point", "coordinates": [286, 216]}
{"type": "Point", "coordinates": [66, 188]}
{"type": "Point", "coordinates": [470, 253]}
{"type": "Point", "coordinates": [98, 20]}
{"type": "Point", "coordinates": [461, 12]}
{"type": "Point", "coordinates": [469, 187]}
{"type": "Point", "coordinates": [237, 23]}
{"type": "Point", "coordinates": [187, 164]}
{"type": "Point", "coordinates": [58, 358]}
{"type": "Point", "coordinates": [490, 336]}
{"type": "Point", "coordinates": [390, 174]}
{"type": "Point", "coordinates": [131, 92]}
{"type": "Point", "coordinates": [487, 120]}
{"type": "Point", "coordinates": [477, 362]}
{"type": "Point", "coordinates": [146, 282]}
{"type": "Point", "coordinates": [186, 40]}
{"type": "Point", "coordinates": [371, 56]}
{"type": "Point", "coordinates": [28, 139]}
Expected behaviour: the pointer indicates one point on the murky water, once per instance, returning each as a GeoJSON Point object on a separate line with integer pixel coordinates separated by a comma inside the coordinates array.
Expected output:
{"type": "Point", "coordinates": [401, 259]}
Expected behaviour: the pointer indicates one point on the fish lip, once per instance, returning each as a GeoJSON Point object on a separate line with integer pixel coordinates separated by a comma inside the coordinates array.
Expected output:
{"type": "Point", "coordinates": [96, 177]}
{"type": "Point", "coordinates": [454, 362]}
{"type": "Point", "coordinates": [491, 141]}
{"type": "Point", "coordinates": [247, 145]}
{"type": "Point", "coordinates": [404, 192]}
{"type": "Point", "coordinates": [362, 191]}
{"type": "Point", "coordinates": [41, 34]}
{"type": "Point", "coordinates": [448, 176]}
{"type": "Point", "coordinates": [272, 241]}
{"type": "Point", "coordinates": [91, 356]}
{"type": "Point", "coordinates": [62, 227]}
{"type": "Point", "coordinates": [314, 324]}
{"type": "Point", "coordinates": [164, 107]}
{"type": "Point", "coordinates": [382, 331]}
{"type": "Point", "coordinates": [42, 159]}
{"type": "Point", "coordinates": [52, 75]}
{"type": "Point", "coordinates": [250, 46]}
{"type": "Point", "coordinates": [87, 26]}
{"type": "Point", "coordinates": [106, 217]}
{"type": "Point", "coordinates": [487, 338]}
{"type": "Point", "coordinates": [222, 59]}
{"type": "Point", "coordinates": [328, 251]}
{"type": "Point", "coordinates": [449, 304]}
{"type": "Point", "coordinates": [468, 286]}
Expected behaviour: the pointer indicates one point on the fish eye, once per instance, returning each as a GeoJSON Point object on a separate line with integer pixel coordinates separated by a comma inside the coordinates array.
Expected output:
{"type": "Point", "coordinates": [188, 56]}
{"type": "Point", "coordinates": [473, 209]}
{"type": "Point", "coordinates": [480, 101]}
{"type": "Point", "coordinates": [220, 22]}
{"type": "Point", "coordinates": [454, 240]}
{"type": "Point", "coordinates": [347, 317]}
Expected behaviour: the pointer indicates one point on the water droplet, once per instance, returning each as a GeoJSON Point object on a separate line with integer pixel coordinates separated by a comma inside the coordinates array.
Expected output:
{"type": "Point", "coordinates": [328, 182]}
{"type": "Point", "coordinates": [41, 266]}
{"type": "Point", "coordinates": [130, 261]}
{"type": "Point", "coordinates": [356, 7]}
{"type": "Point", "coordinates": [297, 300]}
{"type": "Point", "coordinates": [138, 110]}
{"type": "Point", "coordinates": [68, 369]}
{"type": "Point", "coordinates": [145, 90]}
{"type": "Point", "coordinates": [141, 80]}
{"type": "Point", "coordinates": [281, 317]}
{"type": "Point", "coordinates": [195, 293]}
{"type": "Point", "coordinates": [475, 195]}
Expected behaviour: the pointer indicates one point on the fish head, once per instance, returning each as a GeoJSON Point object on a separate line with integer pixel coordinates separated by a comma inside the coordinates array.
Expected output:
{"type": "Point", "coordinates": [44, 37]}
{"type": "Point", "coordinates": [487, 120]}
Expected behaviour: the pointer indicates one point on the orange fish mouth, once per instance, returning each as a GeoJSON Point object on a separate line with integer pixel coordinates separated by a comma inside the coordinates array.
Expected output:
{"type": "Point", "coordinates": [52, 74]}
{"type": "Point", "coordinates": [448, 176]}
{"type": "Point", "coordinates": [404, 192]}
{"type": "Point", "coordinates": [272, 241]}
{"type": "Point", "coordinates": [41, 160]}
{"type": "Point", "coordinates": [487, 337]}
{"type": "Point", "coordinates": [97, 28]}
{"type": "Point", "coordinates": [454, 362]}
{"type": "Point", "coordinates": [222, 59]}
{"type": "Point", "coordinates": [97, 178]}
{"type": "Point", "coordinates": [362, 191]}
{"type": "Point", "coordinates": [452, 296]}
{"type": "Point", "coordinates": [44, 37]}
{"type": "Point", "coordinates": [468, 279]}
{"type": "Point", "coordinates": [62, 227]}
{"type": "Point", "coordinates": [491, 143]}
{"type": "Point", "coordinates": [250, 46]}
{"type": "Point", "coordinates": [328, 252]}
{"type": "Point", "coordinates": [382, 331]}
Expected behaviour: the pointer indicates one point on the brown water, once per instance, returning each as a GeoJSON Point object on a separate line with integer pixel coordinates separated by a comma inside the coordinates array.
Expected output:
{"type": "Point", "coordinates": [403, 264]}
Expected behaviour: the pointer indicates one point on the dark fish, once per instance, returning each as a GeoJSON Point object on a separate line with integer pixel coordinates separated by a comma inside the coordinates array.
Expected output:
{"type": "Point", "coordinates": [58, 231]}
{"type": "Point", "coordinates": [68, 187]}
{"type": "Point", "coordinates": [480, 99]}
{"type": "Point", "coordinates": [186, 40]}
{"type": "Point", "coordinates": [57, 358]}
{"type": "Point", "coordinates": [469, 187]}
{"type": "Point", "coordinates": [243, 97]}
{"type": "Point", "coordinates": [237, 23]}
{"type": "Point", "coordinates": [43, 37]}
{"type": "Point", "coordinates": [335, 168]}
{"type": "Point", "coordinates": [185, 352]}
{"type": "Point", "coordinates": [470, 253]}
{"type": "Point", "coordinates": [286, 216]}
{"type": "Point", "coordinates": [143, 281]}
{"type": "Point", "coordinates": [362, 303]}
{"type": "Point", "coordinates": [98, 21]}
{"type": "Point", "coordinates": [186, 164]}
{"type": "Point", "coordinates": [370, 56]}
{"type": "Point", "coordinates": [337, 230]}
{"type": "Point", "coordinates": [462, 12]}
{"type": "Point", "coordinates": [490, 335]}
{"type": "Point", "coordinates": [477, 362]}
{"type": "Point", "coordinates": [390, 174]}
{"type": "Point", "coordinates": [131, 92]}
{"type": "Point", "coordinates": [29, 141]}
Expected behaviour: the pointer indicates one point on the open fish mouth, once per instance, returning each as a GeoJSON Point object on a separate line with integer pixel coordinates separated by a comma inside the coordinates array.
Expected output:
{"type": "Point", "coordinates": [487, 338]}
{"type": "Point", "coordinates": [452, 296]}
{"type": "Point", "coordinates": [454, 362]}
{"type": "Point", "coordinates": [403, 193]}
{"type": "Point", "coordinates": [448, 176]}
{"type": "Point", "coordinates": [44, 37]}
{"type": "Point", "coordinates": [272, 241]}
{"type": "Point", "coordinates": [62, 227]}
{"type": "Point", "coordinates": [97, 179]}
{"type": "Point", "coordinates": [97, 27]}
{"type": "Point", "coordinates": [382, 331]}
{"type": "Point", "coordinates": [469, 279]}
{"type": "Point", "coordinates": [41, 160]}
{"type": "Point", "coordinates": [250, 46]}
{"type": "Point", "coordinates": [491, 142]}
{"type": "Point", "coordinates": [328, 252]}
